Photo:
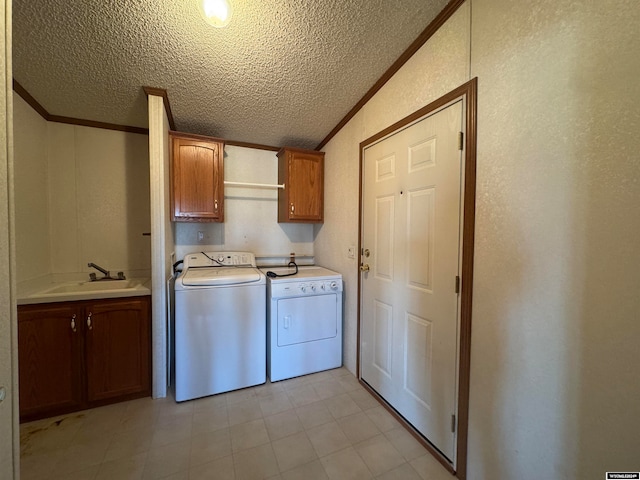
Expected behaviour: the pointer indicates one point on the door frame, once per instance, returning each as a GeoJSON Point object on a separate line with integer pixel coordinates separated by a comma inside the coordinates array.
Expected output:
{"type": "Point", "coordinates": [468, 93]}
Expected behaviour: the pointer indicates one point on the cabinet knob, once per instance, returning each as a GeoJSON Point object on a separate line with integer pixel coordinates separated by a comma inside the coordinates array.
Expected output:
{"type": "Point", "coordinates": [73, 323]}
{"type": "Point", "coordinates": [292, 208]}
{"type": "Point", "coordinates": [89, 324]}
{"type": "Point", "coordinates": [215, 204]}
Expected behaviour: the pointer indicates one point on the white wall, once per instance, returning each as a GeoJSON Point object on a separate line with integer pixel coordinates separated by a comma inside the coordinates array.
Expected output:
{"type": "Point", "coordinates": [32, 191]}
{"type": "Point", "coordinates": [554, 375]}
{"type": "Point", "coordinates": [99, 199]}
{"type": "Point", "coordinates": [82, 195]}
{"type": "Point", "coordinates": [251, 214]}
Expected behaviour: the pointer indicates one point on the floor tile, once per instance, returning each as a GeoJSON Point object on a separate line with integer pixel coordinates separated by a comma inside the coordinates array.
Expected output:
{"type": "Point", "coordinates": [345, 465]}
{"type": "Point", "coordinates": [129, 443]}
{"type": "Point", "coordinates": [358, 427]}
{"type": "Point", "coordinates": [303, 395]}
{"type": "Point", "coordinates": [327, 438]}
{"type": "Point", "coordinates": [283, 424]}
{"type": "Point", "coordinates": [274, 403]}
{"type": "Point", "coordinates": [309, 471]}
{"type": "Point", "coordinates": [403, 472]}
{"type": "Point", "coordinates": [172, 431]}
{"type": "Point", "coordinates": [219, 469]}
{"type": "Point", "coordinates": [209, 446]}
{"type": "Point", "coordinates": [328, 388]}
{"type": "Point", "coordinates": [405, 443]}
{"type": "Point", "coordinates": [244, 411]}
{"type": "Point", "coordinates": [293, 451]}
{"type": "Point", "coordinates": [210, 420]}
{"type": "Point", "coordinates": [80, 456]}
{"type": "Point", "coordinates": [128, 468]}
{"type": "Point", "coordinates": [255, 463]}
{"type": "Point", "coordinates": [161, 439]}
{"type": "Point", "coordinates": [379, 454]}
{"type": "Point", "coordinates": [314, 414]}
{"type": "Point", "coordinates": [364, 399]}
{"type": "Point", "coordinates": [167, 460]}
{"type": "Point", "coordinates": [382, 418]}
{"type": "Point", "coordinates": [429, 468]}
{"type": "Point", "coordinates": [342, 406]}
{"type": "Point", "coordinates": [239, 396]}
{"type": "Point", "coordinates": [248, 435]}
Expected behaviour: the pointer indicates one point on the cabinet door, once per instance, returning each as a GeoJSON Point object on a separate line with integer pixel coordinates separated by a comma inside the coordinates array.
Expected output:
{"type": "Point", "coordinates": [198, 180]}
{"type": "Point", "coordinates": [305, 187]}
{"type": "Point", "coordinates": [50, 356]}
{"type": "Point", "coordinates": [117, 348]}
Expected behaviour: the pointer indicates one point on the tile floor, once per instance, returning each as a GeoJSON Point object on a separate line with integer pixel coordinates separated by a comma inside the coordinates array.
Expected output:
{"type": "Point", "coordinates": [321, 426]}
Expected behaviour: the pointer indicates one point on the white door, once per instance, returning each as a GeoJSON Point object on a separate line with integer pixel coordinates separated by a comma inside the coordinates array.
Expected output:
{"type": "Point", "coordinates": [411, 234]}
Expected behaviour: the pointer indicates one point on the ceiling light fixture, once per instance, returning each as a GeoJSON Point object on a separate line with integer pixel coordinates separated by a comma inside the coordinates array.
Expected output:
{"type": "Point", "coordinates": [215, 12]}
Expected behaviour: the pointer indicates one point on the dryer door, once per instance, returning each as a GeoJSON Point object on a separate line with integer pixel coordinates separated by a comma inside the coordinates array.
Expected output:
{"type": "Point", "coordinates": [307, 319]}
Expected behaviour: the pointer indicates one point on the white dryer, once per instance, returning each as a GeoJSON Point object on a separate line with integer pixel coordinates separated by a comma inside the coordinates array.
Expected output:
{"type": "Point", "coordinates": [304, 319]}
{"type": "Point", "coordinates": [220, 324]}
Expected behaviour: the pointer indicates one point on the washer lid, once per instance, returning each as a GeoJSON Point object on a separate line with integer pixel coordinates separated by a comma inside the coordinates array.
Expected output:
{"type": "Point", "coordinates": [219, 276]}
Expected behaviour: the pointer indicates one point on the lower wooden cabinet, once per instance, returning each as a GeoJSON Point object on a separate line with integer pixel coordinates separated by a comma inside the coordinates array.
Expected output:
{"type": "Point", "coordinates": [77, 355]}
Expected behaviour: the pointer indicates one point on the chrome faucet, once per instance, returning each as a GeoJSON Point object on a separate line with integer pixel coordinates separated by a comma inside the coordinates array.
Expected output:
{"type": "Point", "coordinates": [105, 272]}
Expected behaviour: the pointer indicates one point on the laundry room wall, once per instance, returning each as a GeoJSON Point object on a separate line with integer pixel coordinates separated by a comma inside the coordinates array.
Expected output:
{"type": "Point", "coordinates": [251, 214]}
{"type": "Point", "coordinates": [82, 195]}
{"type": "Point", "coordinates": [554, 382]}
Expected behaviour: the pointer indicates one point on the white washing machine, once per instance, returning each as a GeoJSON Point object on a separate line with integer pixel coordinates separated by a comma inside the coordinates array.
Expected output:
{"type": "Point", "coordinates": [304, 321]}
{"type": "Point", "coordinates": [220, 324]}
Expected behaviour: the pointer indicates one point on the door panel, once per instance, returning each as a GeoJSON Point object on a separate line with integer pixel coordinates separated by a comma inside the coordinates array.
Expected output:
{"type": "Point", "coordinates": [409, 311]}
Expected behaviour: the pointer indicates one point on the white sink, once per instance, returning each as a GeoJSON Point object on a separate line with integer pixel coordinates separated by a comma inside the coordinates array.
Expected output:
{"type": "Point", "coordinates": [97, 286]}
{"type": "Point", "coordinates": [71, 291]}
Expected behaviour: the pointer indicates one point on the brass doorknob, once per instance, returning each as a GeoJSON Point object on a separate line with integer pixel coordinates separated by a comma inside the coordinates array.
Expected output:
{"type": "Point", "coordinates": [364, 267]}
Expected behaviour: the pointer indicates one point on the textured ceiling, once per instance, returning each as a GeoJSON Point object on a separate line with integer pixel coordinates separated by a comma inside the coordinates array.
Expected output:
{"type": "Point", "coordinates": [282, 73]}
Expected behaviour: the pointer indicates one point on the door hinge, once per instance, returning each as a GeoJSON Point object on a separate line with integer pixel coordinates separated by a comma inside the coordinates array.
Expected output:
{"type": "Point", "coordinates": [457, 284]}
{"type": "Point", "coordinates": [453, 423]}
{"type": "Point", "coordinates": [460, 140]}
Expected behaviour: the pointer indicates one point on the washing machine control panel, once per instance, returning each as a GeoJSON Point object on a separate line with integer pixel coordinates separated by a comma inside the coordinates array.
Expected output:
{"type": "Point", "coordinates": [220, 259]}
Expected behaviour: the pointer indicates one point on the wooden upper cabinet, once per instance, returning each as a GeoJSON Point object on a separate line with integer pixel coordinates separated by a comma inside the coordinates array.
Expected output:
{"type": "Point", "coordinates": [302, 173]}
{"type": "Point", "coordinates": [197, 178]}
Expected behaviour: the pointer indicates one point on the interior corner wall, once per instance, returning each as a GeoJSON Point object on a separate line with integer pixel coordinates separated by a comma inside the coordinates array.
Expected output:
{"type": "Point", "coordinates": [31, 186]}
{"type": "Point", "coordinates": [554, 378]}
{"type": "Point", "coordinates": [162, 240]}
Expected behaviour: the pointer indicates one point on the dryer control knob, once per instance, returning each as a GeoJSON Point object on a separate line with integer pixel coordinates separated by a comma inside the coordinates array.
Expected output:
{"type": "Point", "coordinates": [333, 285]}
{"type": "Point", "coordinates": [313, 287]}
{"type": "Point", "coordinates": [303, 288]}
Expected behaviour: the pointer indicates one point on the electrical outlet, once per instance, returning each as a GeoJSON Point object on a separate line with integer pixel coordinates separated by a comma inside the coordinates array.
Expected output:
{"type": "Point", "coordinates": [351, 253]}
{"type": "Point", "coordinates": [200, 237]}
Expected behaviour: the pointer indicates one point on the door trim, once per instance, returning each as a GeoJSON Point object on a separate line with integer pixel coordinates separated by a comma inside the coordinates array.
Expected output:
{"type": "Point", "coordinates": [468, 93]}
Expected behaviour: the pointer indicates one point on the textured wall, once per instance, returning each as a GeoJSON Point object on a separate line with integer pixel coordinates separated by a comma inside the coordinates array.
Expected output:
{"type": "Point", "coordinates": [99, 199]}
{"type": "Point", "coordinates": [554, 379]}
{"type": "Point", "coordinates": [251, 214]}
{"type": "Point", "coordinates": [33, 251]}
{"type": "Point", "coordinates": [554, 392]}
